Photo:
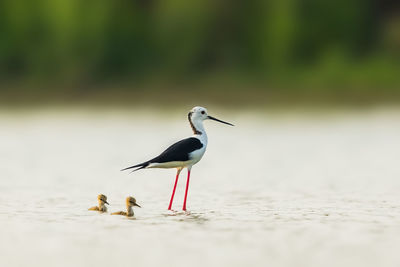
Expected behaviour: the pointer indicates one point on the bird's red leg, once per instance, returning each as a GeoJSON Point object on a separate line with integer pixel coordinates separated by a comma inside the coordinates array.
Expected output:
{"type": "Point", "coordinates": [187, 187]}
{"type": "Point", "coordinates": [173, 191]}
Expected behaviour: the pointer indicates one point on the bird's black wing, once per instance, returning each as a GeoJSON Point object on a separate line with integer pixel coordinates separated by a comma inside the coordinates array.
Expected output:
{"type": "Point", "coordinates": [177, 152]}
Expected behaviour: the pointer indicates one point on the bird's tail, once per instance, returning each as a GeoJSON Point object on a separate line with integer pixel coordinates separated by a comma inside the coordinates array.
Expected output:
{"type": "Point", "coordinates": [138, 166]}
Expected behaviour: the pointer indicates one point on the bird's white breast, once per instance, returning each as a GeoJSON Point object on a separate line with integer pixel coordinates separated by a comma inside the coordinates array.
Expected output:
{"type": "Point", "coordinates": [196, 155]}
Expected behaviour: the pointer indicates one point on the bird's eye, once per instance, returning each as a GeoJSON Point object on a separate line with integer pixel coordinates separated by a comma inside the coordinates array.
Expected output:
{"type": "Point", "coordinates": [203, 112]}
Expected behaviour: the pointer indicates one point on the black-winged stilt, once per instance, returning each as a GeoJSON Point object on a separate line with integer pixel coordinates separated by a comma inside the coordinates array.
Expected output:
{"type": "Point", "coordinates": [185, 153]}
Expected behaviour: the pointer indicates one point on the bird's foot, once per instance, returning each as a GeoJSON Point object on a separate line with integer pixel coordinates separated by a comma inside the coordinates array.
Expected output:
{"type": "Point", "coordinates": [172, 211]}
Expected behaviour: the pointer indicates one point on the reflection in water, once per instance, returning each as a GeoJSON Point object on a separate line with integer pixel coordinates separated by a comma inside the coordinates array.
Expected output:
{"type": "Point", "coordinates": [187, 216]}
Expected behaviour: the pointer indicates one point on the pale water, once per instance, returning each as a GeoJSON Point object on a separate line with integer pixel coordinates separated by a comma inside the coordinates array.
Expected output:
{"type": "Point", "coordinates": [275, 190]}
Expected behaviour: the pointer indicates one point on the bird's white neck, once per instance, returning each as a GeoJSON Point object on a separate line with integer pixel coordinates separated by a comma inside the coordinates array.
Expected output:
{"type": "Point", "coordinates": [129, 210]}
{"type": "Point", "coordinates": [198, 128]}
{"type": "Point", "coordinates": [102, 206]}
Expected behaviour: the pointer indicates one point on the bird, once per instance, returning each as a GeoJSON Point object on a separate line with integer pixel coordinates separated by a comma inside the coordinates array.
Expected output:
{"type": "Point", "coordinates": [130, 202]}
{"type": "Point", "coordinates": [184, 153]}
{"type": "Point", "coordinates": [102, 199]}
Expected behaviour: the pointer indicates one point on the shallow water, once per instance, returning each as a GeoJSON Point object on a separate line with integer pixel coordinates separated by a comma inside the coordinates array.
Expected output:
{"type": "Point", "coordinates": [276, 190]}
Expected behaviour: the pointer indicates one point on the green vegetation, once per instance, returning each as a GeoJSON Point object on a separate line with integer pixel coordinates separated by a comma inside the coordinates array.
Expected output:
{"type": "Point", "coordinates": [267, 49]}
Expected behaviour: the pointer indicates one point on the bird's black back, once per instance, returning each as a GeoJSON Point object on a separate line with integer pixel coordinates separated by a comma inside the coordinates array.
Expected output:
{"type": "Point", "coordinates": [178, 151]}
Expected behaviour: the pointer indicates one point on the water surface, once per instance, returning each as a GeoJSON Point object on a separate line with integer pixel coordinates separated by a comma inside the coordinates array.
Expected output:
{"type": "Point", "coordinates": [276, 190]}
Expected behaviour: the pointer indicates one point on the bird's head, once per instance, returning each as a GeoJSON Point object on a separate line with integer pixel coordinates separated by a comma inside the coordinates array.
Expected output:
{"type": "Point", "coordinates": [201, 114]}
{"type": "Point", "coordinates": [131, 201]}
{"type": "Point", "coordinates": [102, 199]}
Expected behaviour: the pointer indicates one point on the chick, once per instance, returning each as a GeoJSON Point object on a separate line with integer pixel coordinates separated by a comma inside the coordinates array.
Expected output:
{"type": "Point", "coordinates": [130, 202]}
{"type": "Point", "coordinates": [102, 199]}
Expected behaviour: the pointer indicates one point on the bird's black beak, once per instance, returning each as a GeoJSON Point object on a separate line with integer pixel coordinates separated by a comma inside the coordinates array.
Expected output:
{"type": "Point", "coordinates": [137, 205]}
{"type": "Point", "coordinates": [106, 202]}
{"type": "Point", "coordinates": [215, 119]}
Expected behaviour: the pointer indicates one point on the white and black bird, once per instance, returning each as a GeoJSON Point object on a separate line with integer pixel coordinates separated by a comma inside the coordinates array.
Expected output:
{"type": "Point", "coordinates": [185, 153]}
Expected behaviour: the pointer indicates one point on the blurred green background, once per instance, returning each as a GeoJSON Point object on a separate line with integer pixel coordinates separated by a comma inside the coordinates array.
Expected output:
{"type": "Point", "coordinates": [228, 52]}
